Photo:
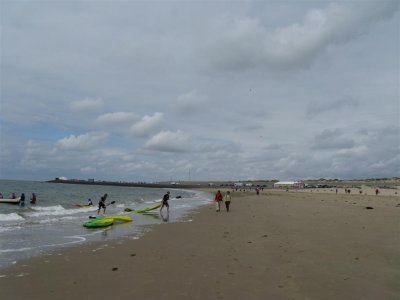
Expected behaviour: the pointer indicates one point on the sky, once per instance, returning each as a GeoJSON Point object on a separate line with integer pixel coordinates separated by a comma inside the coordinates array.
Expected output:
{"type": "Point", "coordinates": [199, 90]}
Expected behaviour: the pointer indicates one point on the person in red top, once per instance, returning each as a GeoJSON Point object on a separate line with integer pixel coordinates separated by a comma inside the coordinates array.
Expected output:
{"type": "Point", "coordinates": [218, 200]}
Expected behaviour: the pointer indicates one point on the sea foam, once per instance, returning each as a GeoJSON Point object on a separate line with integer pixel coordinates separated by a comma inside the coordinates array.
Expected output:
{"type": "Point", "coordinates": [11, 217]}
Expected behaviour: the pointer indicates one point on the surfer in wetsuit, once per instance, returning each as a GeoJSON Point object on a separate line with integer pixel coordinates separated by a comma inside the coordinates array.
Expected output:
{"type": "Point", "coordinates": [102, 204]}
{"type": "Point", "coordinates": [165, 202]}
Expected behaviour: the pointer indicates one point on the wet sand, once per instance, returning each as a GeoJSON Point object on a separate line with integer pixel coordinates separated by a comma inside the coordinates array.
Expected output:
{"type": "Point", "coordinates": [276, 245]}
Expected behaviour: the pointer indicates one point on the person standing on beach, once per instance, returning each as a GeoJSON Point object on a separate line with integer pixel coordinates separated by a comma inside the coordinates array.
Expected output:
{"type": "Point", "coordinates": [227, 199]}
{"type": "Point", "coordinates": [164, 202]}
{"type": "Point", "coordinates": [218, 200]}
{"type": "Point", "coordinates": [102, 204]}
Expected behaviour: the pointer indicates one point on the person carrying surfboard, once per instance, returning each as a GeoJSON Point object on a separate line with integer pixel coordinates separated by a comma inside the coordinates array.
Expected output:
{"type": "Point", "coordinates": [164, 202]}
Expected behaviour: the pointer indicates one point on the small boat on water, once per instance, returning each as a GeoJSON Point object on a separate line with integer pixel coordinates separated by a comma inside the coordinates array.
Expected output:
{"type": "Point", "coordinates": [10, 201]}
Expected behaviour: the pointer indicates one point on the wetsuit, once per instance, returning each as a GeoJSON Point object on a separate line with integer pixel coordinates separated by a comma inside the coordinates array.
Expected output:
{"type": "Point", "coordinates": [165, 200]}
{"type": "Point", "coordinates": [102, 203]}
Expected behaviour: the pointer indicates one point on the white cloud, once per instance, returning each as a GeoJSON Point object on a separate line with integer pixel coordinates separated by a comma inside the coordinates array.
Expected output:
{"type": "Point", "coordinates": [169, 141]}
{"type": "Point", "coordinates": [148, 124]}
{"type": "Point", "coordinates": [87, 105]}
{"type": "Point", "coordinates": [85, 141]}
{"type": "Point", "coordinates": [116, 119]}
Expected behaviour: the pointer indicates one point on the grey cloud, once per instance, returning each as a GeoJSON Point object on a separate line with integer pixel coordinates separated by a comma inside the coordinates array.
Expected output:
{"type": "Point", "coordinates": [332, 139]}
{"type": "Point", "coordinates": [273, 147]}
{"type": "Point", "coordinates": [316, 108]}
{"type": "Point", "coordinates": [192, 102]}
{"type": "Point", "coordinates": [62, 81]}
{"type": "Point", "coordinates": [247, 44]}
{"type": "Point", "coordinates": [249, 127]}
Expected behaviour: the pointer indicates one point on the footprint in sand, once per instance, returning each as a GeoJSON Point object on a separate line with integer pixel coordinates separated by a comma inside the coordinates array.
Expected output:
{"type": "Point", "coordinates": [114, 269]}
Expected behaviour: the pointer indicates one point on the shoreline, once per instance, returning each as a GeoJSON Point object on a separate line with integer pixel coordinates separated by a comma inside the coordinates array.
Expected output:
{"type": "Point", "coordinates": [275, 245]}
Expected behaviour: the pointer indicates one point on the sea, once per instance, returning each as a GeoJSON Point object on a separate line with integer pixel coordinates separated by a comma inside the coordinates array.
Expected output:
{"type": "Point", "coordinates": [56, 220]}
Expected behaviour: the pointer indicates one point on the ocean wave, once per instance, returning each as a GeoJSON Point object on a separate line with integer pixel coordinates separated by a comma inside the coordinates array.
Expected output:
{"type": "Point", "coordinates": [77, 239]}
{"type": "Point", "coordinates": [5, 229]}
{"type": "Point", "coordinates": [58, 220]}
{"type": "Point", "coordinates": [48, 208]}
{"type": "Point", "coordinates": [15, 250]}
{"type": "Point", "coordinates": [57, 210]}
{"type": "Point", "coordinates": [11, 217]}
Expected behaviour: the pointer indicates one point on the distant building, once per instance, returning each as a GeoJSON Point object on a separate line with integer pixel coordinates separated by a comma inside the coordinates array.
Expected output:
{"type": "Point", "coordinates": [61, 178]}
{"type": "Point", "coordinates": [238, 184]}
{"type": "Point", "coordinates": [290, 184]}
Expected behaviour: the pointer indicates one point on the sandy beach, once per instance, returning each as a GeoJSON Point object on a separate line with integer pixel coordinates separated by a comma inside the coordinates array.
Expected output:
{"type": "Point", "coordinates": [275, 245]}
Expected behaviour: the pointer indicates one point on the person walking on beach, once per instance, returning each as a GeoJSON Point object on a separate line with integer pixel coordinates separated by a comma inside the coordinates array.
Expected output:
{"type": "Point", "coordinates": [33, 198]}
{"type": "Point", "coordinates": [164, 202]}
{"type": "Point", "coordinates": [22, 200]}
{"type": "Point", "coordinates": [227, 199]}
{"type": "Point", "coordinates": [218, 200]}
{"type": "Point", "coordinates": [102, 204]}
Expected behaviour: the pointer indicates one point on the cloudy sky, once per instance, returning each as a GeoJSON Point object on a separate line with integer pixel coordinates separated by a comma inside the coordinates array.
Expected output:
{"type": "Point", "coordinates": [200, 90]}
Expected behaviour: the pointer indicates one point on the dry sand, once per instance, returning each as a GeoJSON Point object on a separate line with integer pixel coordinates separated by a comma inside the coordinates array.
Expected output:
{"type": "Point", "coordinates": [276, 245]}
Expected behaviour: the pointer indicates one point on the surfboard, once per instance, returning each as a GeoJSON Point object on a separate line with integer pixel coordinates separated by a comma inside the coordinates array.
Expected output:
{"type": "Point", "coordinates": [143, 210]}
{"type": "Point", "coordinates": [98, 222]}
{"type": "Point", "coordinates": [117, 219]}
